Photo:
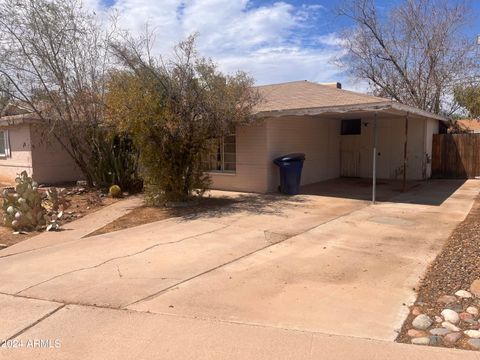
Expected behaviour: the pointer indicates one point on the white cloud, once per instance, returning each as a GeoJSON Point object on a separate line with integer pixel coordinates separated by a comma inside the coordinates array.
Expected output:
{"type": "Point", "coordinates": [271, 42]}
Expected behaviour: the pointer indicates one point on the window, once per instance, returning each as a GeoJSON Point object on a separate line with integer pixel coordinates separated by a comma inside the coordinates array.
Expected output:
{"type": "Point", "coordinates": [4, 146]}
{"type": "Point", "coordinates": [351, 127]}
{"type": "Point", "coordinates": [223, 155]}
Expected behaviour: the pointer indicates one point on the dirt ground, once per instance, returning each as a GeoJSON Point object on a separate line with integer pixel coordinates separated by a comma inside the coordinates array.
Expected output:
{"type": "Point", "coordinates": [81, 204]}
{"type": "Point", "coordinates": [149, 214]}
{"type": "Point", "coordinates": [455, 268]}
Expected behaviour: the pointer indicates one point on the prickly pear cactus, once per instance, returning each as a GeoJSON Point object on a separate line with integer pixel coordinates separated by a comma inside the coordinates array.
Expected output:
{"type": "Point", "coordinates": [56, 199]}
{"type": "Point", "coordinates": [22, 208]}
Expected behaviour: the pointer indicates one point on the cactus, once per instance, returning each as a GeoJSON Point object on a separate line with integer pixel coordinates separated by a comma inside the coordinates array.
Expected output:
{"type": "Point", "coordinates": [115, 191]}
{"type": "Point", "coordinates": [23, 208]}
{"type": "Point", "coordinates": [56, 199]}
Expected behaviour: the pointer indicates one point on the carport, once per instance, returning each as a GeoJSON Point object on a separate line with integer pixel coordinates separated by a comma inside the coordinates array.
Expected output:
{"type": "Point", "coordinates": [342, 133]}
{"type": "Point", "coordinates": [373, 117]}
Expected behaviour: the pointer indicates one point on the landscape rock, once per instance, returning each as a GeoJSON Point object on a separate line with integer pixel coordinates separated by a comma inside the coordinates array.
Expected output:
{"type": "Point", "coordinates": [422, 322]}
{"type": "Point", "coordinates": [446, 299]}
{"type": "Point", "coordinates": [416, 333]}
{"type": "Point", "coordinates": [450, 326]}
{"type": "Point", "coordinates": [472, 333]}
{"type": "Point", "coordinates": [475, 288]}
{"type": "Point", "coordinates": [463, 294]}
{"type": "Point", "coordinates": [416, 310]}
{"type": "Point", "coordinates": [455, 307]}
{"type": "Point", "coordinates": [474, 343]}
{"type": "Point", "coordinates": [452, 338]}
{"type": "Point", "coordinates": [471, 322]}
{"type": "Point", "coordinates": [3, 246]}
{"type": "Point", "coordinates": [440, 331]}
{"type": "Point", "coordinates": [472, 310]}
{"type": "Point", "coordinates": [450, 316]}
{"type": "Point", "coordinates": [421, 341]}
{"type": "Point", "coordinates": [464, 316]}
{"type": "Point", "coordinates": [435, 340]}
{"type": "Point", "coordinates": [438, 319]}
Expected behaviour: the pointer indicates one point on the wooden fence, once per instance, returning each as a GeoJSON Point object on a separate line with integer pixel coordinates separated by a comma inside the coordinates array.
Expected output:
{"type": "Point", "coordinates": [456, 156]}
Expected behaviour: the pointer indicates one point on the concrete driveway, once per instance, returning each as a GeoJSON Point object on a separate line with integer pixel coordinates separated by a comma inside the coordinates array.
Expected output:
{"type": "Point", "coordinates": [274, 270]}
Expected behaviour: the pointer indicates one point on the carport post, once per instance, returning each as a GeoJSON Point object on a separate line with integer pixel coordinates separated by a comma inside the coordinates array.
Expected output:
{"type": "Point", "coordinates": [374, 174]}
{"type": "Point", "coordinates": [405, 154]}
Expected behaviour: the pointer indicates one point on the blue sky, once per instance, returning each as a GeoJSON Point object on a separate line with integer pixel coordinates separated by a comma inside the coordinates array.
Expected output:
{"type": "Point", "coordinates": [275, 41]}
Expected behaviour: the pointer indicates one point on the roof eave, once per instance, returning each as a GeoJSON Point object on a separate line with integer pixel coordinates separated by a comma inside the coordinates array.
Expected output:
{"type": "Point", "coordinates": [371, 107]}
{"type": "Point", "coordinates": [12, 120]}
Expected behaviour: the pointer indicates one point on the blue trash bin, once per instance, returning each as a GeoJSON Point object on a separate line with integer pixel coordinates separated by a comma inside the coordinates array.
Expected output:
{"type": "Point", "coordinates": [290, 172]}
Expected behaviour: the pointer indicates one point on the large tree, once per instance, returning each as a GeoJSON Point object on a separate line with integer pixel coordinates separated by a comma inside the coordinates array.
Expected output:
{"type": "Point", "coordinates": [416, 53]}
{"type": "Point", "coordinates": [172, 109]}
{"type": "Point", "coordinates": [468, 97]}
{"type": "Point", "coordinates": [53, 56]}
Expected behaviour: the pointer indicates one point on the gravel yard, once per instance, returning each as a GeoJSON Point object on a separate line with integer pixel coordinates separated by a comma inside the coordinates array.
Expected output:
{"type": "Point", "coordinates": [448, 295]}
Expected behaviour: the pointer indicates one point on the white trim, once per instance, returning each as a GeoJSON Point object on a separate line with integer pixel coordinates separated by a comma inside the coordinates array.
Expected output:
{"type": "Point", "coordinates": [6, 143]}
{"type": "Point", "coordinates": [220, 172]}
{"type": "Point", "coordinates": [368, 107]}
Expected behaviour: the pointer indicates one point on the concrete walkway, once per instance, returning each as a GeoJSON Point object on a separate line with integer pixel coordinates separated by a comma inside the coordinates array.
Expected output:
{"type": "Point", "coordinates": [94, 333]}
{"type": "Point", "coordinates": [268, 277]}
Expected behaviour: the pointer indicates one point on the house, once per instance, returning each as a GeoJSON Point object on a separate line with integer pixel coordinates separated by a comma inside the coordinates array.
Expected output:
{"type": "Point", "coordinates": [338, 131]}
{"type": "Point", "coordinates": [23, 146]}
{"type": "Point", "coordinates": [468, 126]}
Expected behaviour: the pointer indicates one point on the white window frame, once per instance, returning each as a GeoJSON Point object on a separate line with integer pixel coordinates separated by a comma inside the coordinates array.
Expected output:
{"type": "Point", "coordinates": [222, 157]}
{"type": "Point", "coordinates": [6, 153]}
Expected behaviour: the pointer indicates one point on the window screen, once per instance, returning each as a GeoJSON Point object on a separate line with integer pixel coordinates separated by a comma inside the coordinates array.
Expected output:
{"type": "Point", "coordinates": [222, 156]}
{"type": "Point", "coordinates": [351, 127]}
{"type": "Point", "coordinates": [3, 143]}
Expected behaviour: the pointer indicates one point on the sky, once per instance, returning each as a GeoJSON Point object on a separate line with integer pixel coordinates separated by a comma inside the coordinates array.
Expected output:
{"type": "Point", "coordinates": [274, 41]}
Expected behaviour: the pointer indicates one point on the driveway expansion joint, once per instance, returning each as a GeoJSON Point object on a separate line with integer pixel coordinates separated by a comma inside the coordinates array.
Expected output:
{"type": "Point", "coordinates": [28, 327]}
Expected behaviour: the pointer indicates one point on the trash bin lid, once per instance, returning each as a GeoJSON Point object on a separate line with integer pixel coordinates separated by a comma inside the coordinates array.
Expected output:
{"type": "Point", "coordinates": [291, 157]}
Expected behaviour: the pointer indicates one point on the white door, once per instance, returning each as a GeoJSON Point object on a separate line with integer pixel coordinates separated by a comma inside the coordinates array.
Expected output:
{"type": "Point", "coordinates": [350, 159]}
{"type": "Point", "coordinates": [350, 148]}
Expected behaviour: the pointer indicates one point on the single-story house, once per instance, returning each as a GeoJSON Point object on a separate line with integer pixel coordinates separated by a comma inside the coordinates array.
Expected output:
{"type": "Point", "coordinates": [471, 126]}
{"type": "Point", "coordinates": [338, 130]}
{"type": "Point", "coordinates": [23, 146]}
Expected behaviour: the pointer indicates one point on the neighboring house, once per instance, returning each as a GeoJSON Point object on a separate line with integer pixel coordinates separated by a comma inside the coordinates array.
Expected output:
{"type": "Point", "coordinates": [468, 126]}
{"type": "Point", "coordinates": [335, 130]}
{"type": "Point", "coordinates": [23, 146]}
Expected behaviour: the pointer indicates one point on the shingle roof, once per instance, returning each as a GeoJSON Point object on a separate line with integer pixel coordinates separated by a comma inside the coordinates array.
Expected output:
{"type": "Point", "coordinates": [306, 95]}
{"type": "Point", "coordinates": [469, 125]}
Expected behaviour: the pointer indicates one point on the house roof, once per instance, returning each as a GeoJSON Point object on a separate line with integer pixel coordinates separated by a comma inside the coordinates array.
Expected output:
{"type": "Point", "coordinates": [16, 113]}
{"type": "Point", "coordinates": [309, 98]}
{"type": "Point", "coordinates": [306, 94]}
{"type": "Point", "coordinates": [472, 125]}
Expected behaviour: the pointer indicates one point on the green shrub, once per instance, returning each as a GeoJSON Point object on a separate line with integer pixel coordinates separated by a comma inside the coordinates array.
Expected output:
{"type": "Point", "coordinates": [116, 162]}
{"type": "Point", "coordinates": [172, 110]}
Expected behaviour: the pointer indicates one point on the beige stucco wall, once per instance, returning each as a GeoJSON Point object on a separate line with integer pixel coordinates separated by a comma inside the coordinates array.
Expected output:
{"type": "Point", "coordinates": [390, 147]}
{"type": "Point", "coordinates": [252, 162]}
{"type": "Point", "coordinates": [20, 158]}
{"type": "Point", "coordinates": [259, 144]}
{"type": "Point", "coordinates": [317, 138]}
{"type": "Point", "coordinates": [44, 160]}
{"type": "Point", "coordinates": [320, 139]}
{"type": "Point", "coordinates": [51, 163]}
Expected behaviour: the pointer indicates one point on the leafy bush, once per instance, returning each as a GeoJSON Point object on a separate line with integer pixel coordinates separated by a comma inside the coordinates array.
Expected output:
{"type": "Point", "coordinates": [172, 110]}
{"type": "Point", "coordinates": [23, 208]}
